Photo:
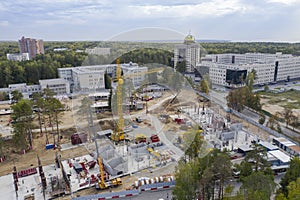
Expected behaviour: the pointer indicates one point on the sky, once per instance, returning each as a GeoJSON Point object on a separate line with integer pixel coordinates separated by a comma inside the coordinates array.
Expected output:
{"type": "Point", "coordinates": [235, 20]}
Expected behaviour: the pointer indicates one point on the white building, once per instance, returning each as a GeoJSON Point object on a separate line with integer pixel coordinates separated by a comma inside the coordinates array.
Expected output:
{"type": "Point", "coordinates": [231, 69]}
{"type": "Point", "coordinates": [87, 78]}
{"type": "Point", "coordinates": [58, 86]}
{"type": "Point", "coordinates": [18, 56]}
{"type": "Point", "coordinates": [189, 51]}
{"type": "Point", "coordinates": [98, 51]}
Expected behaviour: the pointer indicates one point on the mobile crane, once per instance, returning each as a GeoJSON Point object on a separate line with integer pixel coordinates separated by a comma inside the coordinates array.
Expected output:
{"type": "Point", "coordinates": [102, 184]}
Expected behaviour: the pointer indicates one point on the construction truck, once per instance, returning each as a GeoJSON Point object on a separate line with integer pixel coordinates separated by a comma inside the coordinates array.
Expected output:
{"type": "Point", "coordinates": [102, 184]}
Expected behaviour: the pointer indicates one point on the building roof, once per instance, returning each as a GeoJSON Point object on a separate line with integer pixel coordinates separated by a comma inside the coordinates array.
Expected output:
{"type": "Point", "coordinates": [100, 104]}
{"type": "Point", "coordinates": [280, 156]}
{"type": "Point", "coordinates": [101, 94]}
{"type": "Point", "coordinates": [268, 145]}
{"type": "Point", "coordinates": [284, 141]}
{"type": "Point", "coordinates": [295, 148]}
{"type": "Point", "coordinates": [245, 148]}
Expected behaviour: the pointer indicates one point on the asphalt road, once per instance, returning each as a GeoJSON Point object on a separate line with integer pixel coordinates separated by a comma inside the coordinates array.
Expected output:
{"type": "Point", "coordinates": [153, 195]}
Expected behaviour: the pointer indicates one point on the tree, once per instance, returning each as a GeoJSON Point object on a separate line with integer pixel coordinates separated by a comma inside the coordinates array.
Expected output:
{"type": "Point", "coordinates": [23, 116]}
{"type": "Point", "coordinates": [236, 99]}
{"type": "Point", "coordinates": [258, 156]}
{"type": "Point", "coordinates": [195, 144]}
{"type": "Point", "coordinates": [294, 190]}
{"type": "Point", "coordinates": [107, 81]}
{"type": "Point", "coordinates": [262, 119]}
{"type": "Point", "coordinates": [287, 114]}
{"type": "Point", "coordinates": [273, 120]}
{"type": "Point", "coordinates": [56, 109]}
{"type": "Point", "coordinates": [4, 96]}
{"type": "Point", "coordinates": [181, 66]}
{"type": "Point", "coordinates": [16, 96]}
{"type": "Point", "coordinates": [38, 104]}
{"type": "Point", "coordinates": [187, 176]}
{"type": "Point", "coordinates": [291, 175]}
{"type": "Point", "coordinates": [258, 186]}
{"type": "Point", "coordinates": [294, 121]}
{"type": "Point", "coordinates": [221, 168]}
{"type": "Point", "coordinates": [204, 86]}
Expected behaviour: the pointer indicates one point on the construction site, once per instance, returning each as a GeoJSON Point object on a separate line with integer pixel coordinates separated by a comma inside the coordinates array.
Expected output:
{"type": "Point", "coordinates": [132, 149]}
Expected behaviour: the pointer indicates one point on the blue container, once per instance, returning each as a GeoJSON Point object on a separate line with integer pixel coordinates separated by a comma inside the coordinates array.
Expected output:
{"type": "Point", "coordinates": [49, 146]}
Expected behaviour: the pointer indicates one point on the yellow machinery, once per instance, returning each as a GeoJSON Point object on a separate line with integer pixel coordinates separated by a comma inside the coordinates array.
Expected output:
{"type": "Point", "coordinates": [101, 183]}
{"type": "Point", "coordinates": [119, 134]}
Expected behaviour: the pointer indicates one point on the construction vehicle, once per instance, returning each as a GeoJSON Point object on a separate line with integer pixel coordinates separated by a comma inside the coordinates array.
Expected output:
{"type": "Point", "coordinates": [140, 138]}
{"type": "Point", "coordinates": [102, 184]}
{"type": "Point", "coordinates": [119, 134]}
{"type": "Point", "coordinates": [154, 138]}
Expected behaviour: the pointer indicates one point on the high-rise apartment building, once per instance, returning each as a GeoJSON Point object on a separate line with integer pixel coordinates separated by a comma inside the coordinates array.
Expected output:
{"type": "Point", "coordinates": [189, 52]}
{"type": "Point", "coordinates": [31, 46]}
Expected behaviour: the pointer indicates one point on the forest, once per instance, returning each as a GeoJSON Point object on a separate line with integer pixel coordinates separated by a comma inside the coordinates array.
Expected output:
{"type": "Point", "coordinates": [45, 66]}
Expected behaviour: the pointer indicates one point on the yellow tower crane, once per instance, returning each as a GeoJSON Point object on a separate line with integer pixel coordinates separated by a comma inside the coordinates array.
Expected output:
{"type": "Point", "coordinates": [119, 135]}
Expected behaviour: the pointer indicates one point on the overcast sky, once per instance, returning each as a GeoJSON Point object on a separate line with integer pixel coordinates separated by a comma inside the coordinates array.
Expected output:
{"type": "Point", "coordinates": [237, 20]}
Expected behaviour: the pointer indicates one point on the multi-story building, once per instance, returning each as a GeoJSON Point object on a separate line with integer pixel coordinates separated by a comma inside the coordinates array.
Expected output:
{"type": "Point", "coordinates": [189, 52]}
{"type": "Point", "coordinates": [31, 46]}
{"type": "Point", "coordinates": [59, 86]}
{"type": "Point", "coordinates": [18, 56]}
{"type": "Point", "coordinates": [86, 78]}
{"type": "Point", "coordinates": [230, 70]}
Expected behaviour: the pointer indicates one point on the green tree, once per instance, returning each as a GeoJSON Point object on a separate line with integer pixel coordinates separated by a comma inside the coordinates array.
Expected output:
{"type": "Point", "coordinates": [4, 96]}
{"type": "Point", "coordinates": [187, 176]}
{"type": "Point", "coordinates": [294, 121]}
{"type": "Point", "coordinates": [23, 116]}
{"type": "Point", "coordinates": [262, 119]}
{"type": "Point", "coordinates": [258, 186]}
{"type": "Point", "coordinates": [195, 144]}
{"type": "Point", "coordinates": [204, 86]}
{"type": "Point", "coordinates": [181, 66]}
{"type": "Point", "coordinates": [56, 108]}
{"type": "Point", "coordinates": [258, 157]}
{"type": "Point", "coordinates": [287, 114]}
{"type": "Point", "coordinates": [236, 99]}
{"type": "Point", "coordinates": [291, 175]}
{"type": "Point", "coordinates": [16, 96]}
{"type": "Point", "coordinates": [222, 170]}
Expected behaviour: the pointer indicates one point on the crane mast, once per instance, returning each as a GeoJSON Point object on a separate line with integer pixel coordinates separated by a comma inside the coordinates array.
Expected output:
{"type": "Point", "coordinates": [119, 135]}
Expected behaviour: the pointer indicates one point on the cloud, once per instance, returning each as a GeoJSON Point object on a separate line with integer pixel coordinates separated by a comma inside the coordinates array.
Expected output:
{"type": "Point", "coordinates": [4, 23]}
{"type": "Point", "coordinates": [213, 8]}
{"type": "Point", "coordinates": [286, 2]}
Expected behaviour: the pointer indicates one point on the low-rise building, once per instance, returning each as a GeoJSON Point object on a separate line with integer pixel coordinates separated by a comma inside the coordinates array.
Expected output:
{"type": "Point", "coordinates": [58, 86]}
{"type": "Point", "coordinates": [17, 56]}
{"type": "Point", "coordinates": [98, 51]}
